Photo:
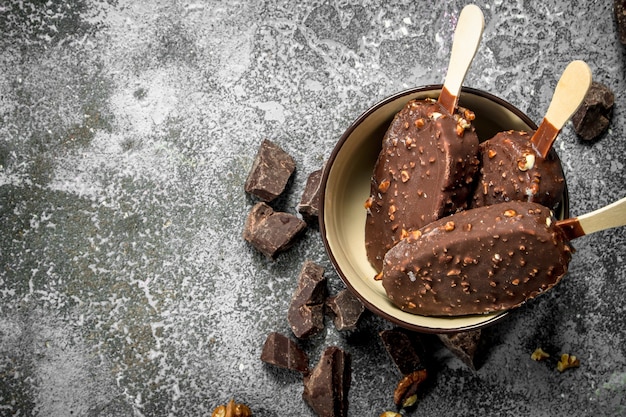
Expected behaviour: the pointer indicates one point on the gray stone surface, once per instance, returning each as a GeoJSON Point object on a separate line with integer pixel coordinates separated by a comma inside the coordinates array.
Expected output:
{"type": "Point", "coordinates": [127, 130]}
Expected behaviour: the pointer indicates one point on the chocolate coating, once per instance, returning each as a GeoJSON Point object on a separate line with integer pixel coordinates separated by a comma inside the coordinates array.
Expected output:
{"type": "Point", "coordinates": [511, 169]}
{"type": "Point", "coordinates": [478, 261]}
{"type": "Point", "coordinates": [423, 172]}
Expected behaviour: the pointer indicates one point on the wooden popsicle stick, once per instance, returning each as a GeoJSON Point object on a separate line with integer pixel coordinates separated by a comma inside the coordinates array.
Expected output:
{"type": "Point", "coordinates": [613, 215]}
{"type": "Point", "coordinates": [467, 35]}
{"type": "Point", "coordinates": [568, 95]}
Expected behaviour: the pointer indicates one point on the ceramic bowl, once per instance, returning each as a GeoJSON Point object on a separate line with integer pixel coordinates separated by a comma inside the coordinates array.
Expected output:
{"type": "Point", "coordinates": [346, 185]}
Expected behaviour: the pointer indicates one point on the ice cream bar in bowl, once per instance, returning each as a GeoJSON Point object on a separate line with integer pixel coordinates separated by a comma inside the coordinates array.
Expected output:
{"type": "Point", "coordinates": [378, 158]}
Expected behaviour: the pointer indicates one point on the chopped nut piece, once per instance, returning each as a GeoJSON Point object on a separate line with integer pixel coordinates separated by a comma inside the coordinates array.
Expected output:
{"type": "Point", "coordinates": [408, 387]}
{"type": "Point", "coordinates": [510, 213]}
{"type": "Point", "coordinates": [410, 401]}
{"type": "Point", "coordinates": [384, 186]}
{"type": "Point", "coordinates": [567, 361]}
{"type": "Point", "coordinates": [419, 123]}
{"type": "Point", "coordinates": [469, 115]}
{"type": "Point", "coordinates": [491, 153]}
{"type": "Point", "coordinates": [527, 163]}
{"type": "Point", "coordinates": [390, 414]}
{"type": "Point", "coordinates": [415, 234]}
{"type": "Point", "coordinates": [232, 409]}
{"type": "Point", "coordinates": [539, 355]}
{"type": "Point", "coordinates": [449, 226]}
{"type": "Point", "coordinates": [368, 203]}
{"type": "Point", "coordinates": [404, 176]}
{"type": "Point", "coordinates": [220, 411]}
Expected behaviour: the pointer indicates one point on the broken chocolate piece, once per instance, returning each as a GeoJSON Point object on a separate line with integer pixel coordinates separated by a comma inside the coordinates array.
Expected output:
{"type": "Point", "coordinates": [306, 310]}
{"type": "Point", "coordinates": [347, 310]}
{"type": "Point", "coordinates": [326, 388]}
{"type": "Point", "coordinates": [271, 232]}
{"type": "Point", "coordinates": [270, 172]}
{"type": "Point", "coordinates": [281, 351]}
{"type": "Point", "coordinates": [594, 115]}
{"type": "Point", "coordinates": [620, 19]}
{"type": "Point", "coordinates": [405, 349]}
{"type": "Point", "coordinates": [309, 202]}
{"type": "Point", "coordinates": [463, 344]}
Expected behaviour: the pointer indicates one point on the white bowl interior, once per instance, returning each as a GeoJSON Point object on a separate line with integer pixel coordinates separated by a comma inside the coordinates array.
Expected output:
{"type": "Point", "coordinates": [346, 186]}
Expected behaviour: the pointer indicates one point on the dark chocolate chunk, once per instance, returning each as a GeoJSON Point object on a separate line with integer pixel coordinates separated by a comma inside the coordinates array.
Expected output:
{"type": "Point", "coordinates": [270, 172]}
{"type": "Point", "coordinates": [326, 388]}
{"type": "Point", "coordinates": [309, 202]}
{"type": "Point", "coordinates": [594, 115]}
{"type": "Point", "coordinates": [271, 232]}
{"type": "Point", "coordinates": [620, 19]}
{"type": "Point", "coordinates": [306, 310]}
{"type": "Point", "coordinates": [281, 351]}
{"type": "Point", "coordinates": [463, 344]}
{"type": "Point", "coordinates": [347, 309]}
{"type": "Point", "coordinates": [405, 349]}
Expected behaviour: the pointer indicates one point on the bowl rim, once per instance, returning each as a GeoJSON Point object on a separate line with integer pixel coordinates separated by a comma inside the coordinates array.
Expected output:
{"type": "Point", "coordinates": [323, 185]}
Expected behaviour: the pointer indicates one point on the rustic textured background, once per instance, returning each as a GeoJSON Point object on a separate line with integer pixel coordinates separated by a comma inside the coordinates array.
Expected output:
{"type": "Point", "coordinates": [127, 129]}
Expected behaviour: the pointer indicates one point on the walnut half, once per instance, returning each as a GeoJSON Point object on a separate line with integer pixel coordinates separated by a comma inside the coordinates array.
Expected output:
{"type": "Point", "coordinates": [232, 409]}
{"type": "Point", "coordinates": [567, 361]}
{"type": "Point", "coordinates": [405, 394]}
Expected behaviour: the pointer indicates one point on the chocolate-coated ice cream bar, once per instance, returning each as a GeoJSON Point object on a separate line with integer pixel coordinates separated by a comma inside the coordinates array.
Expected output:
{"type": "Point", "coordinates": [423, 172]}
{"type": "Point", "coordinates": [478, 261]}
{"type": "Point", "coordinates": [511, 169]}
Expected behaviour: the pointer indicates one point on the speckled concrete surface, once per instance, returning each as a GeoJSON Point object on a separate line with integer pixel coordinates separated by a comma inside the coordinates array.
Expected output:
{"type": "Point", "coordinates": [127, 129]}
